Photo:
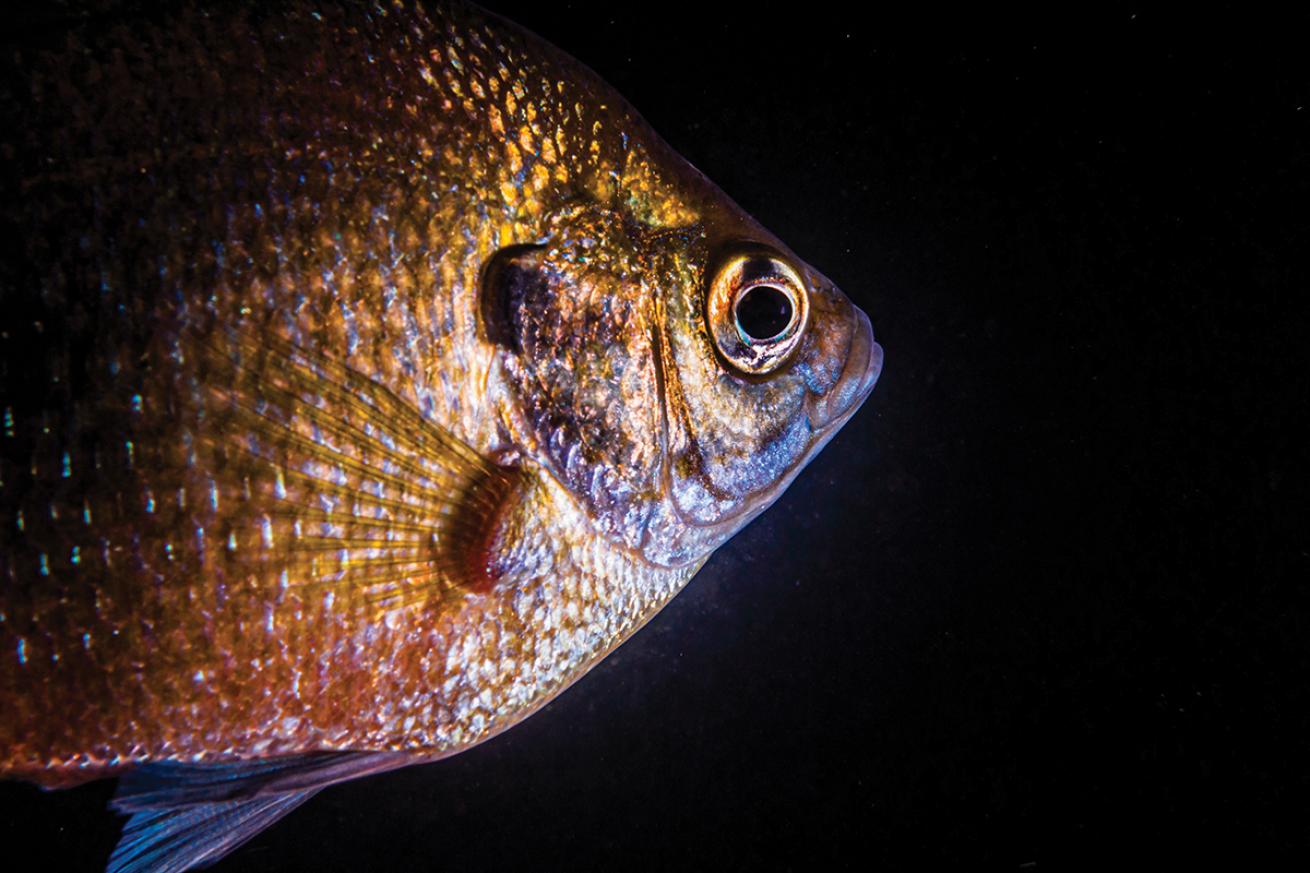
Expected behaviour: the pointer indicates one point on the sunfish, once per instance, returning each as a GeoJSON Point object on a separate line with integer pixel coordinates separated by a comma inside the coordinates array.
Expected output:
{"type": "Point", "coordinates": [368, 373]}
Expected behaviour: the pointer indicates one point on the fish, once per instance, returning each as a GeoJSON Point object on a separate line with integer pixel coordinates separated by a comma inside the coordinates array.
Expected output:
{"type": "Point", "coordinates": [368, 373]}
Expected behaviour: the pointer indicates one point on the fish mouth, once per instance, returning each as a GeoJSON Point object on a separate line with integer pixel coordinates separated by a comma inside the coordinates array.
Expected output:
{"type": "Point", "coordinates": [829, 411]}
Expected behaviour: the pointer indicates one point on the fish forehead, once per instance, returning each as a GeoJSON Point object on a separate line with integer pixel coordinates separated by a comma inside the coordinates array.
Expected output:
{"type": "Point", "coordinates": [337, 180]}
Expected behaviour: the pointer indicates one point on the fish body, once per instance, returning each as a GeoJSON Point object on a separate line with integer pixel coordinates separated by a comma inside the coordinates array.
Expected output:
{"type": "Point", "coordinates": [368, 373]}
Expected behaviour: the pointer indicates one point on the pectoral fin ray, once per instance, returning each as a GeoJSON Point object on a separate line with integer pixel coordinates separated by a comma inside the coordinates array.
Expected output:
{"type": "Point", "coordinates": [340, 485]}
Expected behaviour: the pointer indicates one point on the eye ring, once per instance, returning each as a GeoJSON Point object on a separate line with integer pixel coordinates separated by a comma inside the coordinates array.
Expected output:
{"type": "Point", "coordinates": [757, 309]}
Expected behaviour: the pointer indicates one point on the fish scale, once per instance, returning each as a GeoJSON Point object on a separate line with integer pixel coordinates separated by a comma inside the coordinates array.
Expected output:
{"type": "Point", "coordinates": [304, 215]}
{"type": "Point", "coordinates": [359, 396]}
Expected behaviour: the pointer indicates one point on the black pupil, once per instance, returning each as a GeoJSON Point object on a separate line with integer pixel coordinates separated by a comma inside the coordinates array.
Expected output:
{"type": "Point", "coordinates": [763, 312]}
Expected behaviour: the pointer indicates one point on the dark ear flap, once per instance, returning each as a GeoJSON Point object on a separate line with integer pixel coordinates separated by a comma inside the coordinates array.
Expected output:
{"type": "Point", "coordinates": [584, 373]}
{"type": "Point", "coordinates": [511, 279]}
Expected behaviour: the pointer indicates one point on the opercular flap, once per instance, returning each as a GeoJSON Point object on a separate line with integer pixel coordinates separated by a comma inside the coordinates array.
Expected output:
{"type": "Point", "coordinates": [577, 318]}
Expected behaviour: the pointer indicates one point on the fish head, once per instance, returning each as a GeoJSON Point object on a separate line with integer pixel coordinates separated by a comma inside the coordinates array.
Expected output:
{"type": "Point", "coordinates": [675, 368]}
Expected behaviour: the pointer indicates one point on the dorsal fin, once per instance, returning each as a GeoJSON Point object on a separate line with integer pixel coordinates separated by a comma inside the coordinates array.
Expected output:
{"type": "Point", "coordinates": [336, 483]}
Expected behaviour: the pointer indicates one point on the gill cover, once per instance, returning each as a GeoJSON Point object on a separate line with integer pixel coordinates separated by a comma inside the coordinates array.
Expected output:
{"type": "Point", "coordinates": [577, 325]}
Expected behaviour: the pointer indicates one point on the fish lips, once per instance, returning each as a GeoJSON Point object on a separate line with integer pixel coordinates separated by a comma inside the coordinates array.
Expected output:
{"type": "Point", "coordinates": [827, 412]}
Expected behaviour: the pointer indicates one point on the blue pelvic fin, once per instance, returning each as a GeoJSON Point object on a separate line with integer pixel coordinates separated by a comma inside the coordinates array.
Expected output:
{"type": "Point", "coordinates": [174, 839]}
{"type": "Point", "coordinates": [190, 815]}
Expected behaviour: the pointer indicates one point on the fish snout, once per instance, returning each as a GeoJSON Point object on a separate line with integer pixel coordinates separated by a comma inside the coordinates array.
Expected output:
{"type": "Point", "coordinates": [863, 364]}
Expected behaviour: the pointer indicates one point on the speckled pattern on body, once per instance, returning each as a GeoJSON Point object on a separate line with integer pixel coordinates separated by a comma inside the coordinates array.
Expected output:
{"type": "Point", "coordinates": [269, 484]}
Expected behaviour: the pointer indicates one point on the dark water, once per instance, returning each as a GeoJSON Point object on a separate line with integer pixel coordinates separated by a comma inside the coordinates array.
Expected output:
{"type": "Point", "coordinates": [1043, 604]}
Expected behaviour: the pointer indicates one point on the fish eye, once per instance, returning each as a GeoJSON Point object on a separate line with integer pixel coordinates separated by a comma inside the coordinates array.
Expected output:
{"type": "Point", "coordinates": [757, 310]}
{"type": "Point", "coordinates": [763, 312]}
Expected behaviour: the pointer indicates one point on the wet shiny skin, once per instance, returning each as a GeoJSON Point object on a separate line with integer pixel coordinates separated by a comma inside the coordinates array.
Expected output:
{"type": "Point", "coordinates": [268, 485]}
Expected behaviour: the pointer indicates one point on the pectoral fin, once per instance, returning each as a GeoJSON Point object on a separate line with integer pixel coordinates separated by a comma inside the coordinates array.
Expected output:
{"type": "Point", "coordinates": [335, 483]}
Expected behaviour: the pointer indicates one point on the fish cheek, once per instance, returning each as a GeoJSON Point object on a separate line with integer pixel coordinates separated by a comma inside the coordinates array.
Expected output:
{"type": "Point", "coordinates": [730, 436]}
{"type": "Point", "coordinates": [581, 364]}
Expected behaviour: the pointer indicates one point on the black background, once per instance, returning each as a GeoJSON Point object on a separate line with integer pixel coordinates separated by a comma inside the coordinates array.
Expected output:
{"type": "Point", "coordinates": [1043, 604]}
